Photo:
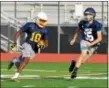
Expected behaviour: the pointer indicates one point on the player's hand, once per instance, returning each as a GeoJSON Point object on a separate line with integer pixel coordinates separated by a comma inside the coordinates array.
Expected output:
{"type": "Point", "coordinates": [72, 41]}
{"type": "Point", "coordinates": [88, 44]}
{"type": "Point", "coordinates": [12, 46]}
{"type": "Point", "coordinates": [41, 45]}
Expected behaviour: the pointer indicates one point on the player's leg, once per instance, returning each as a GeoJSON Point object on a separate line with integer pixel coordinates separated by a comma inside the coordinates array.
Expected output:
{"type": "Point", "coordinates": [86, 54]}
{"type": "Point", "coordinates": [11, 63]}
{"type": "Point", "coordinates": [90, 52]}
{"type": "Point", "coordinates": [27, 52]}
{"type": "Point", "coordinates": [23, 64]}
{"type": "Point", "coordinates": [21, 67]}
{"type": "Point", "coordinates": [72, 65]}
{"type": "Point", "coordinates": [20, 59]}
{"type": "Point", "coordinates": [78, 63]}
{"type": "Point", "coordinates": [83, 54]}
{"type": "Point", "coordinates": [15, 61]}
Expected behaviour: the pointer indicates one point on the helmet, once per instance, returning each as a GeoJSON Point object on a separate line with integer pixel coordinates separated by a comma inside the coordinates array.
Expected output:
{"type": "Point", "coordinates": [91, 11]}
{"type": "Point", "coordinates": [42, 15]}
{"type": "Point", "coordinates": [41, 19]}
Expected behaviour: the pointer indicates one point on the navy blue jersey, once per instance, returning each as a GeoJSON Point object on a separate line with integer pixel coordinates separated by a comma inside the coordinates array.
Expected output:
{"type": "Point", "coordinates": [34, 34]}
{"type": "Point", "coordinates": [89, 31]}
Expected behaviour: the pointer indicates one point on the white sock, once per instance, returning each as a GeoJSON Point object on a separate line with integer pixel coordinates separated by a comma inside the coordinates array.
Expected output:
{"type": "Point", "coordinates": [16, 75]}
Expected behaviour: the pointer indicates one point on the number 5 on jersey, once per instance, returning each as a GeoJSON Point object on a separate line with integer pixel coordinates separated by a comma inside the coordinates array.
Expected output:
{"type": "Point", "coordinates": [89, 36]}
{"type": "Point", "coordinates": [36, 37]}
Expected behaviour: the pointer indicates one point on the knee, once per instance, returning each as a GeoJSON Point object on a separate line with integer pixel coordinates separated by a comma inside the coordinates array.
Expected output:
{"type": "Point", "coordinates": [84, 54]}
{"type": "Point", "coordinates": [26, 59]}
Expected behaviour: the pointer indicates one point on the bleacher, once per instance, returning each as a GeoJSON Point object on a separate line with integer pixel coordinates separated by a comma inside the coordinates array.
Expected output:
{"type": "Point", "coordinates": [26, 11]}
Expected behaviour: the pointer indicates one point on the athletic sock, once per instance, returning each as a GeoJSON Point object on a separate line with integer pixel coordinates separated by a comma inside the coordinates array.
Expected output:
{"type": "Point", "coordinates": [75, 69]}
{"type": "Point", "coordinates": [16, 75]}
{"type": "Point", "coordinates": [20, 59]}
{"type": "Point", "coordinates": [14, 60]}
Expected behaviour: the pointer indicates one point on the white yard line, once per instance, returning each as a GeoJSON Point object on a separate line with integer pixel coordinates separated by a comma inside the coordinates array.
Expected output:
{"type": "Point", "coordinates": [37, 70]}
{"type": "Point", "coordinates": [65, 77]}
{"type": "Point", "coordinates": [88, 77]}
{"type": "Point", "coordinates": [21, 76]}
{"type": "Point", "coordinates": [90, 74]}
{"type": "Point", "coordinates": [73, 87]}
{"type": "Point", "coordinates": [29, 86]}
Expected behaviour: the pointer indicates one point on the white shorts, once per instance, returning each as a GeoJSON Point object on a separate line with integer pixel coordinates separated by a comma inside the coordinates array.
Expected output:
{"type": "Point", "coordinates": [83, 47]}
{"type": "Point", "coordinates": [27, 50]}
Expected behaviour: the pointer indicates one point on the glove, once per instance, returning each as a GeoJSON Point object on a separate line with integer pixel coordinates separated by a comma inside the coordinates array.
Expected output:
{"type": "Point", "coordinates": [41, 45]}
{"type": "Point", "coordinates": [12, 46]}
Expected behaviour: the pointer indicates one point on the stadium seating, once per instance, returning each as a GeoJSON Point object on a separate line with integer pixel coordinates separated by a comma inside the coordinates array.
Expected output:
{"type": "Point", "coordinates": [24, 9]}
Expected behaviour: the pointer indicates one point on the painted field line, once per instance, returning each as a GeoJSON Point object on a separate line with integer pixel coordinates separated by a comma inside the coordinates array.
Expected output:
{"type": "Point", "coordinates": [88, 77]}
{"type": "Point", "coordinates": [2, 80]}
{"type": "Point", "coordinates": [90, 74]}
{"type": "Point", "coordinates": [21, 76]}
{"type": "Point", "coordinates": [73, 87]}
{"type": "Point", "coordinates": [29, 86]}
{"type": "Point", "coordinates": [38, 70]}
{"type": "Point", "coordinates": [93, 74]}
{"type": "Point", "coordinates": [65, 77]}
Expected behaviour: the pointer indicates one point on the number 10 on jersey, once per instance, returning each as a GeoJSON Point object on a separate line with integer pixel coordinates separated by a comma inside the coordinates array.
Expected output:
{"type": "Point", "coordinates": [35, 37]}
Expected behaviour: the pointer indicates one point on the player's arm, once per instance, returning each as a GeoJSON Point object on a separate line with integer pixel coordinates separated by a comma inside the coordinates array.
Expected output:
{"type": "Point", "coordinates": [46, 38]}
{"type": "Point", "coordinates": [12, 46]}
{"type": "Point", "coordinates": [75, 36]}
{"type": "Point", "coordinates": [46, 43]}
{"type": "Point", "coordinates": [24, 28]}
{"type": "Point", "coordinates": [99, 38]}
{"type": "Point", "coordinates": [17, 35]}
{"type": "Point", "coordinates": [76, 33]}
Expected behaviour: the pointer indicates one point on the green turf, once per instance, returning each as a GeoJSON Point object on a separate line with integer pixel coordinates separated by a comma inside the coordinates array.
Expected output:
{"type": "Point", "coordinates": [56, 69]}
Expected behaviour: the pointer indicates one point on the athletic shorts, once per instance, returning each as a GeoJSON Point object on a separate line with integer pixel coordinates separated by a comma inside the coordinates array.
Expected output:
{"type": "Point", "coordinates": [83, 46]}
{"type": "Point", "coordinates": [27, 50]}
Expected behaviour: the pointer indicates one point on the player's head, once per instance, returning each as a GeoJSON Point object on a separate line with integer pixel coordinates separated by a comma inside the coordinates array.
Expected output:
{"type": "Point", "coordinates": [89, 14]}
{"type": "Point", "coordinates": [41, 20]}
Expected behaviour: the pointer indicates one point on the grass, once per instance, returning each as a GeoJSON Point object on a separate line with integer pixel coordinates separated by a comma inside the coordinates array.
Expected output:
{"type": "Point", "coordinates": [56, 69]}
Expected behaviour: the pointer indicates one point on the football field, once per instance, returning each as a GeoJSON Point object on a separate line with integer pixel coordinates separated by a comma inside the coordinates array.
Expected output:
{"type": "Point", "coordinates": [55, 75]}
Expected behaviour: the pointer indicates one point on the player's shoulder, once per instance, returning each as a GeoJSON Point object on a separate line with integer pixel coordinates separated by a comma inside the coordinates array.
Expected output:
{"type": "Point", "coordinates": [97, 23]}
{"type": "Point", "coordinates": [82, 22]}
{"type": "Point", "coordinates": [30, 23]}
{"type": "Point", "coordinates": [45, 30]}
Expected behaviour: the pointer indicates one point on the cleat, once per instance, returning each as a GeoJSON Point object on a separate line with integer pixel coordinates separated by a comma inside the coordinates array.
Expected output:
{"type": "Point", "coordinates": [14, 80]}
{"type": "Point", "coordinates": [72, 65]}
{"type": "Point", "coordinates": [10, 65]}
{"type": "Point", "coordinates": [73, 75]}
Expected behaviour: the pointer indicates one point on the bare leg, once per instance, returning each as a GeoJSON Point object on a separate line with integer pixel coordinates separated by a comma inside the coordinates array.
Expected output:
{"type": "Point", "coordinates": [80, 59]}
{"type": "Point", "coordinates": [78, 63]}
{"type": "Point", "coordinates": [88, 55]}
{"type": "Point", "coordinates": [21, 67]}
{"type": "Point", "coordinates": [23, 64]}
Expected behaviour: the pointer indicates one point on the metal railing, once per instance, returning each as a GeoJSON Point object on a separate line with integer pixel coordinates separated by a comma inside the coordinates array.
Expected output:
{"type": "Point", "coordinates": [12, 22]}
{"type": "Point", "coordinates": [15, 22]}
